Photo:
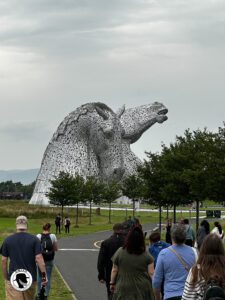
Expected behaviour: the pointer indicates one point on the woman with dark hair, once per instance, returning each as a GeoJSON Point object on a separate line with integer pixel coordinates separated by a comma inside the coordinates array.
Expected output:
{"type": "Point", "coordinates": [202, 232]}
{"type": "Point", "coordinates": [210, 266]}
{"type": "Point", "coordinates": [132, 269]}
{"type": "Point", "coordinates": [218, 230]}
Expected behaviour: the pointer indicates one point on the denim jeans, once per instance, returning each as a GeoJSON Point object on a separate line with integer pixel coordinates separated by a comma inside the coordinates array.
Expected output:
{"type": "Point", "coordinates": [49, 266]}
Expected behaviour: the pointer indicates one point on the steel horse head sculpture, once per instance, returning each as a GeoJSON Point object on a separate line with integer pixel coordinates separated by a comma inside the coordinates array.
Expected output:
{"type": "Point", "coordinates": [95, 141]}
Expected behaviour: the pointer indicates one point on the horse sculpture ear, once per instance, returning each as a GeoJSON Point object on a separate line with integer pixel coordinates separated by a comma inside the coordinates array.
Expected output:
{"type": "Point", "coordinates": [101, 113]}
{"type": "Point", "coordinates": [120, 111]}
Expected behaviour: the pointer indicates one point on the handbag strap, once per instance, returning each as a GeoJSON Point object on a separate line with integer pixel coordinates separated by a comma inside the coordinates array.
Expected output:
{"type": "Point", "coordinates": [180, 258]}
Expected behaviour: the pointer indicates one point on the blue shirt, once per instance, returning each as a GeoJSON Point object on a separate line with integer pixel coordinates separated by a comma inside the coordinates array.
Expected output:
{"type": "Point", "coordinates": [171, 270]}
{"type": "Point", "coordinates": [156, 248]}
{"type": "Point", "coordinates": [21, 248]}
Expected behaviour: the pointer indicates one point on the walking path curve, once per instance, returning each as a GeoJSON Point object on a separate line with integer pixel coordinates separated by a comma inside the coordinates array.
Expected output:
{"type": "Point", "coordinates": [77, 262]}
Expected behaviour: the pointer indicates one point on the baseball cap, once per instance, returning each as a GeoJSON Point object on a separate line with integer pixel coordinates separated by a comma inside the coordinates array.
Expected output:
{"type": "Point", "coordinates": [21, 222]}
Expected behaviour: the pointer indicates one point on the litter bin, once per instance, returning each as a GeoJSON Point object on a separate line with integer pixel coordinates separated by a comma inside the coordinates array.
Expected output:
{"type": "Point", "coordinates": [98, 211]}
{"type": "Point", "coordinates": [217, 213]}
{"type": "Point", "coordinates": [209, 213]}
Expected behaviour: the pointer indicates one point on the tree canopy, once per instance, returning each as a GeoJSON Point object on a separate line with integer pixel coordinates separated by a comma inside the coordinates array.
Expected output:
{"type": "Point", "coordinates": [93, 192]}
{"type": "Point", "coordinates": [190, 169]}
{"type": "Point", "coordinates": [132, 187]}
{"type": "Point", "coordinates": [61, 193]}
{"type": "Point", "coordinates": [112, 191]}
{"type": "Point", "coordinates": [11, 189]}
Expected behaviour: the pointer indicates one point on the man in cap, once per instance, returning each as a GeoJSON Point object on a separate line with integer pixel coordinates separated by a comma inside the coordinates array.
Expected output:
{"type": "Point", "coordinates": [108, 248]}
{"type": "Point", "coordinates": [23, 251]}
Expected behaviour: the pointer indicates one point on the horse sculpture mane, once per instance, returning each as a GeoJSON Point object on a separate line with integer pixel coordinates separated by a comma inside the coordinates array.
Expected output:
{"type": "Point", "coordinates": [95, 141]}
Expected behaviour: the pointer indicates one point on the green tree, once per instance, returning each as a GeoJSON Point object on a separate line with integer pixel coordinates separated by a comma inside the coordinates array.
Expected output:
{"type": "Point", "coordinates": [174, 191]}
{"type": "Point", "coordinates": [216, 168]}
{"type": "Point", "coordinates": [17, 189]}
{"type": "Point", "coordinates": [61, 192]}
{"type": "Point", "coordinates": [78, 193]}
{"type": "Point", "coordinates": [28, 190]}
{"type": "Point", "coordinates": [132, 187]}
{"type": "Point", "coordinates": [112, 191]}
{"type": "Point", "coordinates": [198, 150]}
{"type": "Point", "coordinates": [191, 169]}
{"type": "Point", "coordinates": [93, 193]}
{"type": "Point", "coordinates": [152, 174]}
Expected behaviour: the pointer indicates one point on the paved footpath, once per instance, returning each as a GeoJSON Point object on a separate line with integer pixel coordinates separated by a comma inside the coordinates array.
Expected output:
{"type": "Point", "coordinates": [77, 262]}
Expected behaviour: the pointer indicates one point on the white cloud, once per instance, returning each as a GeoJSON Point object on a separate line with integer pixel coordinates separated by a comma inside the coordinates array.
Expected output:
{"type": "Point", "coordinates": [56, 55]}
{"type": "Point", "coordinates": [17, 131]}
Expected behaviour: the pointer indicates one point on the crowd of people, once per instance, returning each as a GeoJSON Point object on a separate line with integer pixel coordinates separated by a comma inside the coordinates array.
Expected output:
{"type": "Point", "coordinates": [59, 224]}
{"type": "Point", "coordinates": [185, 266]}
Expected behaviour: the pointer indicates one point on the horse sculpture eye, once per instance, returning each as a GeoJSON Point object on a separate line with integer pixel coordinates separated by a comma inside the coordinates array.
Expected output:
{"type": "Point", "coordinates": [108, 132]}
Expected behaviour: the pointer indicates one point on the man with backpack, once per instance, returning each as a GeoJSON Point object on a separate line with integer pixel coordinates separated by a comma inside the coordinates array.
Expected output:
{"type": "Point", "coordinates": [58, 221]}
{"type": "Point", "coordinates": [49, 246]}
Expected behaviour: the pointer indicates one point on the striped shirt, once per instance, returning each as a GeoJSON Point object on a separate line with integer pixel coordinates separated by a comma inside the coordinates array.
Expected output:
{"type": "Point", "coordinates": [193, 292]}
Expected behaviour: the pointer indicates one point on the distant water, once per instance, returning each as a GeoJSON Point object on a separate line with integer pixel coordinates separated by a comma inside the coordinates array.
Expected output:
{"type": "Point", "coordinates": [23, 176]}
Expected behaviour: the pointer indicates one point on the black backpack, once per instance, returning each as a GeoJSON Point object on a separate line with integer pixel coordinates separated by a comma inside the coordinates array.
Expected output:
{"type": "Point", "coordinates": [57, 220]}
{"type": "Point", "coordinates": [47, 247]}
{"type": "Point", "coordinates": [214, 291]}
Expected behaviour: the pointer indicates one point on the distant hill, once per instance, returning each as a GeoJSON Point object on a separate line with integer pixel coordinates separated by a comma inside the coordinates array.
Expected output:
{"type": "Point", "coordinates": [23, 176]}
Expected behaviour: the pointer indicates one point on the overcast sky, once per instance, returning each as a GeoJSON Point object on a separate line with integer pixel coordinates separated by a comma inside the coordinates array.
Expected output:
{"type": "Point", "coordinates": [57, 55]}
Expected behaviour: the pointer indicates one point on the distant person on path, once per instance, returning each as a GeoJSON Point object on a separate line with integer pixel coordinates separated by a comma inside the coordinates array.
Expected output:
{"type": "Point", "coordinates": [210, 267]}
{"type": "Point", "coordinates": [202, 232]}
{"type": "Point", "coordinates": [190, 234]}
{"type": "Point", "coordinates": [218, 230]}
{"type": "Point", "coordinates": [23, 250]}
{"type": "Point", "coordinates": [67, 224]}
{"type": "Point", "coordinates": [58, 221]}
{"type": "Point", "coordinates": [108, 248]}
{"type": "Point", "coordinates": [49, 246]}
{"type": "Point", "coordinates": [181, 221]}
{"type": "Point", "coordinates": [156, 245]}
{"type": "Point", "coordinates": [168, 231]}
{"type": "Point", "coordinates": [173, 265]}
{"type": "Point", "coordinates": [132, 269]}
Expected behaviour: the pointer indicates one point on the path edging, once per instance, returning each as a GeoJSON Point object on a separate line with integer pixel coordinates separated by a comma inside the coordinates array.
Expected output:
{"type": "Point", "coordinates": [66, 284]}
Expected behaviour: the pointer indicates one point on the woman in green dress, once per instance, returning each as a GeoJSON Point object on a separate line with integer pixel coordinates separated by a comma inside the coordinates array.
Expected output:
{"type": "Point", "coordinates": [132, 269]}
